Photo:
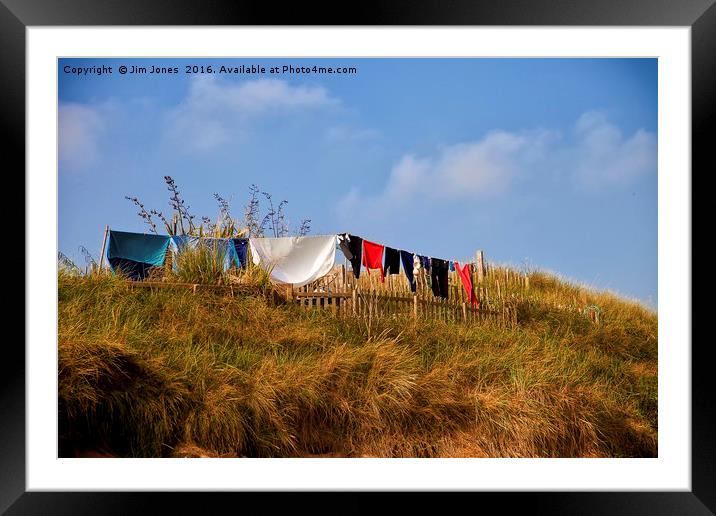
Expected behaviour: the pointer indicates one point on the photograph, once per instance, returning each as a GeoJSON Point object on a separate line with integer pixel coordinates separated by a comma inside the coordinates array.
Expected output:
{"type": "Point", "coordinates": [359, 257]}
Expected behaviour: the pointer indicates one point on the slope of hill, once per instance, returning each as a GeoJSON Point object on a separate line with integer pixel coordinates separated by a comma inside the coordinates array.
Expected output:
{"type": "Point", "coordinates": [176, 373]}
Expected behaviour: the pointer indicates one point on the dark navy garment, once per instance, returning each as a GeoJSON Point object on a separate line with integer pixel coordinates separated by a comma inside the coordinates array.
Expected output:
{"type": "Point", "coordinates": [439, 277]}
{"type": "Point", "coordinates": [407, 258]}
{"type": "Point", "coordinates": [240, 246]}
{"type": "Point", "coordinates": [452, 266]}
{"type": "Point", "coordinates": [424, 262]}
{"type": "Point", "coordinates": [392, 260]}
{"type": "Point", "coordinates": [352, 247]}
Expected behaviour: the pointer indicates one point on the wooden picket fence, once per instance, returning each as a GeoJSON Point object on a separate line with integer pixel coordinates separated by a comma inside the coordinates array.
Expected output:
{"type": "Point", "coordinates": [499, 290]}
{"type": "Point", "coordinates": [369, 297]}
{"type": "Point", "coordinates": [376, 304]}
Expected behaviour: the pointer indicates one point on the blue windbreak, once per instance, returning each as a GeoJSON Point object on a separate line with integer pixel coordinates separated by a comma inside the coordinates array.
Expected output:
{"type": "Point", "coordinates": [224, 245]}
{"type": "Point", "coordinates": [180, 242]}
{"type": "Point", "coordinates": [137, 247]}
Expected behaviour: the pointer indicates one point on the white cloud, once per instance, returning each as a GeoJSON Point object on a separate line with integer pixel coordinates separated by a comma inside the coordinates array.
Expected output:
{"type": "Point", "coordinates": [214, 113]}
{"type": "Point", "coordinates": [595, 155]}
{"type": "Point", "coordinates": [79, 129]}
{"type": "Point", "coordinates": [481, 168]}
{"type": "Point", "coordinates": [602, 157]}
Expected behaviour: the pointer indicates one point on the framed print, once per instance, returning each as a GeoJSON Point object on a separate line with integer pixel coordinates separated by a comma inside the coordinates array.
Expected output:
{"type": "Point", "coordinates": [514, 316]}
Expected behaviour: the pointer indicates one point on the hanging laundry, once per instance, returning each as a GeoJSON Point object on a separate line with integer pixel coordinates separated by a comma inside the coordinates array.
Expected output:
{"type": "Point", "coordinates": [425, 266]}
{"type": "Point", "coordinates": [445, 279]}
{"type": "Point", "coordinates": [352, 247]}
{"type": "Point", "coordinates": [139, 247]}
{"type": "Point", "coordinates": [417, 268]}
{"type": "Point", "coordinates": [129, 268]}
{"type": "Point", "coordinates": [464, 273]}
{"type": "Point", "coordinates": [408, 260]}
{"type": "Point", "coordinates": [452, 266]}
{"type": "Point", "coordinates": [439, 277]}
{"type": "Point", "coordinates": [136, 253]}
{"type": "Point", "coordinates": [295, 260]}
{"type": "Point", "coordinates": [392, 261]}
{"type": "Point", "coordinates": [373, 257]}
{"type": "Point", "coordinates": [181, 242]}
{"type": "Point", "coordinates": [223, 247]}
{"type": "Point", "coordinates": [240, 247]}
{"type": "Point", "coordinates": [344, 243]}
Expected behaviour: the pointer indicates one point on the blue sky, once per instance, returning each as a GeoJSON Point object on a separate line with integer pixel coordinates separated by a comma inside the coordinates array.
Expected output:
{"type": "Point", "coordinates": [549, 163]}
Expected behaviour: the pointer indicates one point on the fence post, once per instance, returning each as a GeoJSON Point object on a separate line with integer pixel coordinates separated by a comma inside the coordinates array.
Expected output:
{"type": "Point", "coordinates": [415, 306]}
{"type": "Point", "coordinates": [104, 244]}
{"type": "Point", "coordinates": [480, 259]}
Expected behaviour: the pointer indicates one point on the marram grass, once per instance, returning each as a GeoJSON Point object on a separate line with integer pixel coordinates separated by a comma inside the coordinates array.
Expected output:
{"type": "Point", "coordinates": [182, 374]}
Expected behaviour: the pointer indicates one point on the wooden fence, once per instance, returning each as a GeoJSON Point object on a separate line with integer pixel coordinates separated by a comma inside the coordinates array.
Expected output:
{"type": "Point", "coordinates": [369, 297]}
{"type": "Point", "coordinates": [499, 290]}
{"type": "Point", "coordinates": [376, 304]}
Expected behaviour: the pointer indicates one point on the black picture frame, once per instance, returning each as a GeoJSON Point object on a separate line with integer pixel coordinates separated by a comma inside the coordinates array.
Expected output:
{"type": "Point", "coordinates": [700, 15]}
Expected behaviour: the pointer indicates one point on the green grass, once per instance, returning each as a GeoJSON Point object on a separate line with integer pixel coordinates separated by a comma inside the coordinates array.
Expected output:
{"type": "Point", "coordinates": [176, 373]}
{"type": "Point", "coordinates": [203, 263]}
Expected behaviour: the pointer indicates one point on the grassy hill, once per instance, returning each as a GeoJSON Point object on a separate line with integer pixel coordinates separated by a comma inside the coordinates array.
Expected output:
{"type": "Point", "coordinates": [176, 373]}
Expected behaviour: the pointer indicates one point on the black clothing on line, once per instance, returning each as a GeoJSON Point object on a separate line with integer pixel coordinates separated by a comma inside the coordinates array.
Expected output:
{"type": "Point", "coordinates": [392, 260]}
{"type": "Point", "coordinates": [352, 247]}
{"type": "Point", "coordinates": [439, 277]}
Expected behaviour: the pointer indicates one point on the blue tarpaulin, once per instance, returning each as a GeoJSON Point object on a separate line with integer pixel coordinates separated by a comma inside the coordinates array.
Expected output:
{"type": "Point", "coordinates": [136, 253]}
{"type": "Point", "coordinates": [180, 242]}
{"type": "Point", "coordinates": [223, 245]}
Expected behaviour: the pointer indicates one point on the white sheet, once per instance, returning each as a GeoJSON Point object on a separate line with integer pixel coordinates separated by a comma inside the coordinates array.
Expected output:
{"type": "Point", "coordinates": [295, 260]}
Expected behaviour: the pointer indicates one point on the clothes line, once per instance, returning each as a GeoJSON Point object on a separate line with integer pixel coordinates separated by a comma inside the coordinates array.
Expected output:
{"type": "Point", "coordinates": [289, 260]}
{"type": "Point", "coordinates": [399, 248]}
{"type": "Point", "coordinates": [388, 260]}
{"type": "Point", "coordinates": [391, 254]}
{"type": "Point", "coordinates": [296, 260]}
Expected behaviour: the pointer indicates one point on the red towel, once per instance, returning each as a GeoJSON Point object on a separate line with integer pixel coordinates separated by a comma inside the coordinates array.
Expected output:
{"type": "Point", "coordinates": [464, 273]}
{"type": "Point", "coordinates": [373, 257]}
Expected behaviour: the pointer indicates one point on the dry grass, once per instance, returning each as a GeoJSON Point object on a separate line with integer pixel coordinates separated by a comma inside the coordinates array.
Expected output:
{"type": "Point", "coordinates": [171, 373]}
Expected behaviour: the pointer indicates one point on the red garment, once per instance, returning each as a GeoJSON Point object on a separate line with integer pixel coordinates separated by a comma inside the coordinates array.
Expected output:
{"type": "Point", "coordinates": [373, 257]}
{"type": "Point", "coordinates": [467, 282]}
